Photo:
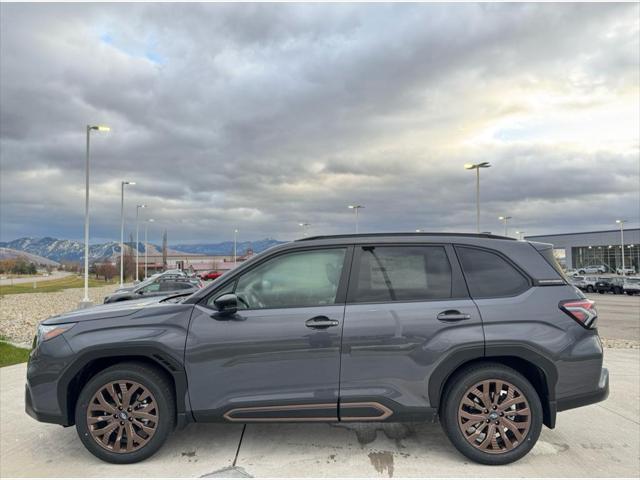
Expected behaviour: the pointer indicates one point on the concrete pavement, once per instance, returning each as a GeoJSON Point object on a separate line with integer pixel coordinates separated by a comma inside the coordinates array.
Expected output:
{"type": "Point", "coordinates": [600, 440]}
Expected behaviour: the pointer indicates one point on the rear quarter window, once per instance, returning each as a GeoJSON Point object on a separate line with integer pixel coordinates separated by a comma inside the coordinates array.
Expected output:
{"type": "Point", "coordinates": [488, 275]}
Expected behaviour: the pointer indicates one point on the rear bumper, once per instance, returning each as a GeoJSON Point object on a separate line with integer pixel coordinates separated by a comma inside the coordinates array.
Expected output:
{"type": "Point", "coordinates": [595, 396]}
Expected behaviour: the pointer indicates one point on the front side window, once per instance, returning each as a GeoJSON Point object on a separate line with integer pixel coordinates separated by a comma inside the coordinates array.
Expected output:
{"type": "Point", "coordinates": [297, 279]}
{"type": "Point", "coordinates": [490, 275]}
{"type": "Point", "coordinates": [403, 274]}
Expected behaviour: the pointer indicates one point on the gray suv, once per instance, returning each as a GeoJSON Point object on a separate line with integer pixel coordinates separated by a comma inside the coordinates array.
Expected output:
{"type": "Point", "coordinates": [481, 331]}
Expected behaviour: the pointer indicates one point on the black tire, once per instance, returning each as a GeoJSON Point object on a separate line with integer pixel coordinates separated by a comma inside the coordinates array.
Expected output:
{"type": "Point", "coordinates": [151, 379]}
{"type": "Point", "coordinates": [581, 272]}
{"type": "Point", "coordinates": [454, 392]}
{"type": "Point", "coordinates": [589, 288]}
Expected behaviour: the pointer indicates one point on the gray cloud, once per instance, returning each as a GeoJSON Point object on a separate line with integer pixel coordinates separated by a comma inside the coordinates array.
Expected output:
{"type": "Point", "coordinates": [263, 116]}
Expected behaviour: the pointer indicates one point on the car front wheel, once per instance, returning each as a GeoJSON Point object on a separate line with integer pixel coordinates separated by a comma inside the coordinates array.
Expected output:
{"type": "Point", "coordinates": [492, 414]}
{"type": "Point", "coordinates": [125, 413]}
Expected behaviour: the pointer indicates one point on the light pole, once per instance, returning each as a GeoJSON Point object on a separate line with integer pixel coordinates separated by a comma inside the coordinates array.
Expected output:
{"type": "Point", "coordinates": [138, 207]}
{"type": "Point", "coordinates": [356, 208]}
{"type": "Point", "coordinates": [85, 301]}
{"type": "Point", "coordinates": [505, 219]}
{"type": "Point", "coordinates": [235, 246]}
{"type": "Point", "coordinates": [477, 167]}
{"type": "Point", "coordinates": [520, 234]}
{"type": "Point", "coordinates": [621, 223]}
{"type": "Point", "coordinates": [304, 228]}
{"type": "Point", "coordinates": [146, 246]}
{"type": "Point", "coordinates": [123, 183]}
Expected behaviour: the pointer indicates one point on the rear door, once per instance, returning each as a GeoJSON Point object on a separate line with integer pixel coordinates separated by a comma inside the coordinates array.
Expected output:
{"type": "Point", "coordinates": [408, 310]}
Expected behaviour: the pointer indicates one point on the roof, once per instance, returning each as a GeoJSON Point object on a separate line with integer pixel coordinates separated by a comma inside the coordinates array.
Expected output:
{"type": "Point", "coordinates": [405, 234]}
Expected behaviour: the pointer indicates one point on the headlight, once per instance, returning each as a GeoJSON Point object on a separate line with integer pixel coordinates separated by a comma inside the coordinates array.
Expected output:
{"type": "Point", "coordinates": [47, 332]}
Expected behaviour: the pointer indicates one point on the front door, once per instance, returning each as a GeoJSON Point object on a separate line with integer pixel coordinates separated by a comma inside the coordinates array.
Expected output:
{"type": "Point", "coordinates": [278, 357]}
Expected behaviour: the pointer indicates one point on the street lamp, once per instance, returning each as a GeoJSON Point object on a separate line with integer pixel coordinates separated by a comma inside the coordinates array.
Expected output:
{"type": "Point", "coordinates": [146, 246]}
{"type": "Point", "coordinates": [521, 233]}
{"type": "Point", "coordinates": [235, 247]}
{"type": "Point", "coordinates": [85, 301]}
{"type": "Point", "coordinates": [356, 208]}
{"type": "Point", "coordinates": [138, 207]}
{"type": "Point", "coordinates": [123, 183]}
{"type": "Point", "coordinates": [477, 167]}
{"type": "Point", "coordinates": [621, 223]}
{"type": "Point", "coordinates": [505, 220]}
{"type": "Point", "coordinates": [304, 228]}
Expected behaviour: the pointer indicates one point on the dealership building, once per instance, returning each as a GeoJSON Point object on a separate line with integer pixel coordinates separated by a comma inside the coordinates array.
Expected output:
{"type": "Point", "coordinates": [576, 250]}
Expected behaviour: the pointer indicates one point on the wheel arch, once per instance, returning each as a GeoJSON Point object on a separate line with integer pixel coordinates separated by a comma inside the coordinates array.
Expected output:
{"type": "Point", "coordinates": [91, 363]}
{"type": "Point", "coordinates": [535, 367]}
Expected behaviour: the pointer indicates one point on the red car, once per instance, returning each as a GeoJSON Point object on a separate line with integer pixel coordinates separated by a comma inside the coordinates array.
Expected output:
{"type": "Point", "coordinates": [210, 275]}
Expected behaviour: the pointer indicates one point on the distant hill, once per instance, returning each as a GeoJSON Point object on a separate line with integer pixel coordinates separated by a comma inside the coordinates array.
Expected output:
{"type": "Point", "coordinates": [9, 253]}
{"type": "Point", "coordinates": [73, 251]}
{"type": "Point", "coordinates": [226, 248]}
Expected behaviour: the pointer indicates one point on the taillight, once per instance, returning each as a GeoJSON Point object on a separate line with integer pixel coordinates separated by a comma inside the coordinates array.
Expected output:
{"type": "Point", "coordinates": [582, 311]}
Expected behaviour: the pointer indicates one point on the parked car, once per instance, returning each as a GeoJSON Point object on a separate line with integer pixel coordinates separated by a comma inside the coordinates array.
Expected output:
{"type": "Point", "coordinates": [592, 269]}
{"type": "Point", "coordinates": [481, 331]}
{"type": "Point", "coordinates": [609, 285]}
{"type": "Point", "coordinates": [571, 272]}
{"type": "Point", "coordinates": [585, 283]}
{"type": "Point", "coordinates": [211, 275]}
{"type": "Point", "coordinates": [162, 286]}
{"type": "Point", "coordinates": [166, 274]}
{"type": "Point", "coordinates": [631, 286]}
{"type": "Point", "coordinates": [626, 271]}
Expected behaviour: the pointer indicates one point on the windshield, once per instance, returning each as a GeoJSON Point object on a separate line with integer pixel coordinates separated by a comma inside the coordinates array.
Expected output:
{"type": "Point", "coordinates": [633, 280]}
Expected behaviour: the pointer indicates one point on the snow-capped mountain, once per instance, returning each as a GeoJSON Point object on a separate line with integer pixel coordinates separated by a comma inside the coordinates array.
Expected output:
{"type": "Point", "coordinates": [60, 250]}
{"type": "Point", "coordinates": [72, 250]}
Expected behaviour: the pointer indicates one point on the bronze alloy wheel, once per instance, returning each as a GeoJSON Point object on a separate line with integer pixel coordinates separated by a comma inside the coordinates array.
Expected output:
{"type": "Point", "coordinates": [122, 416]}
{"type": "Point", "coordinates": [494, 416]}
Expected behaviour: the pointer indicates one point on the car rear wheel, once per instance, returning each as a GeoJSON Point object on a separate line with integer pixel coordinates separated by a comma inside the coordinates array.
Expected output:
{"type": "Point", "coordinates": [125, 413]}
{"type": "Point", "coordinates": [492, 414]}
{"type": "Point", "coordinates": [589, 289]}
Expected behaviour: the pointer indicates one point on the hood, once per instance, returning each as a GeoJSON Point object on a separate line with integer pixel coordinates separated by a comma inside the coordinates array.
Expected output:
{"type": "Point", "coordinates": [109, 310]}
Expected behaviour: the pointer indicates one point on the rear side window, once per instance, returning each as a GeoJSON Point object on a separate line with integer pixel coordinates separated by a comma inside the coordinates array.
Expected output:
{"type": "Point", "coordinates": [402, 273]}
{"type": "Point", "coordinates": [490, 275]}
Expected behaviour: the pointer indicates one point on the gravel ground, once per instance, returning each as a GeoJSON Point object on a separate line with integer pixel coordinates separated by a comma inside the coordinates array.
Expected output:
{"type": "Point", "coordinates": [19, 314]}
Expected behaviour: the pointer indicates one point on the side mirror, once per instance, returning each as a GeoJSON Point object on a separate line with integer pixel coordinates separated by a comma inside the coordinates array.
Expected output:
{"type": "Point", "coordinates": [227, 303]}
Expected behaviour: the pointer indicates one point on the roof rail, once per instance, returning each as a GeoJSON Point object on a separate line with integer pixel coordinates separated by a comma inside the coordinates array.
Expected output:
{"type": "Point", "coordinates": [406, 234]}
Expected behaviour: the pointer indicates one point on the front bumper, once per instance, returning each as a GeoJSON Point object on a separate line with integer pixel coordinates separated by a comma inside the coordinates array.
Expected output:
{"type": "Point", "coordinates": [595, 396]}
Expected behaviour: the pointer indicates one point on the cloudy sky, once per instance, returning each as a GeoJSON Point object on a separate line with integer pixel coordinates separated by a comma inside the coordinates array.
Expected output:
{"type": "Point", "coordinates": [259, 117]}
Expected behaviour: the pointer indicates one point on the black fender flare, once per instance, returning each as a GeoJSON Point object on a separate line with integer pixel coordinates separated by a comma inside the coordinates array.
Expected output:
{"type": "Point", "coordinates": [523, 352]}
{"type": "Point", "coordinates": [151, 353]}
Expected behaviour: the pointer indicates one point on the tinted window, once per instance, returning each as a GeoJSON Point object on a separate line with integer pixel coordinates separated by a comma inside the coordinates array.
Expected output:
{"type": "Point", "coordinates": [403, 273]}
{"type": "Point", "coordinates": [490, 275]}
{"type": "Point", "coordinates": [293, 280]}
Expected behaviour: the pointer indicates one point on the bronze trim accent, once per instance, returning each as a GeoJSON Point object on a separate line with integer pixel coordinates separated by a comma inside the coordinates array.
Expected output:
{"type": "Point", "coordinates": [281, 408]}
{"type": "Point", "coordinates": [385, 411]}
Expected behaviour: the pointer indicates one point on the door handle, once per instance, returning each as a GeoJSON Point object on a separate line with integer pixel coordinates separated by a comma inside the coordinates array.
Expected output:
{"type": "Point", "coordinates": [452, 316]}
{"type": "Point", "coordinates": [321, 322]}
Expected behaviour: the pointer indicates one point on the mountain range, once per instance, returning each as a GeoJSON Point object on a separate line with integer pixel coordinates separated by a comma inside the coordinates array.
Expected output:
{"type": "Point", "coordinates": [72, 250]}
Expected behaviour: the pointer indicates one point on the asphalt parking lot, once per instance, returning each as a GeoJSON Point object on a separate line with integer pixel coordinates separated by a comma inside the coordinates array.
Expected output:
{"type": "Point", "coordinates": [598, 440]}
{"type": "Point", "coordinates": [618, 316]}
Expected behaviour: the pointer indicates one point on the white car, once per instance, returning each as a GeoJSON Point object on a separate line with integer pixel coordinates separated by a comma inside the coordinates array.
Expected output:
{"type": "Point", "coordinates": [592, 269]}
{"type": "Point", "coordinates": [631, 286]}
{"type": "Point", "coordinates": [626, 271]}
